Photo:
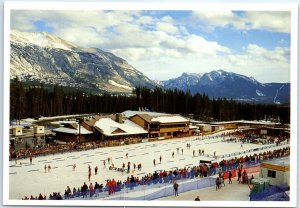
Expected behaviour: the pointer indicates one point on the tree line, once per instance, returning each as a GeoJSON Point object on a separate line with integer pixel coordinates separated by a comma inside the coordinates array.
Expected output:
{"type": "Point", "coordinates": [35, 101]}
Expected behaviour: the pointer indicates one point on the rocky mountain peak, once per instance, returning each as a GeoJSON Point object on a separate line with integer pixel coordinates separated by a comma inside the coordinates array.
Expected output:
{"type": "Point", "coordinates": [50, 59]}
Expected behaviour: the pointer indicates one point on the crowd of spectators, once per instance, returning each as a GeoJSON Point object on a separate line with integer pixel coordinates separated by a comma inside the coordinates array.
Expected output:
{"type": "Point", "coordinates": [53, 148]}
{"type": "Point", "coordinates": [199, 171]}
{"type": "Point", "coordinates": [40, 197]}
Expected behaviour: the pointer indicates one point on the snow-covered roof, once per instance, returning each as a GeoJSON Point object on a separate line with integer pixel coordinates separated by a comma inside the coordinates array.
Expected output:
{"type": "Point", "coordinates": [63, 122]}
{"type": "Point", "coordinates": [72, 131]}
{"type": "Point", "coordinates": [279, 161]}
{"type": "Point", "coordinates": [109, 127]}
{"type": "Point", "coordinates": [130, 113]}
{"type": "Point", "coordinates": [169, 119]}
{"type": "Point", "coordinates": [247, 122]}
{"type": "Point", "coordinates": [202, 124]}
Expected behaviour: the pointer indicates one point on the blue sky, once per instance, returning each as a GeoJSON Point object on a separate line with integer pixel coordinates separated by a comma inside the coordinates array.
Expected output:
{"type": "Point", "coordinates": [164, 44]}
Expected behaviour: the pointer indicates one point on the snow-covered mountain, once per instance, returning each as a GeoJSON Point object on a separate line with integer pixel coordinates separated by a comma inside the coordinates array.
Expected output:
{"type": "Point", "coordinates": [49, 59]}
{"type": "Point", "coordinates": [184, 82]}
{"type": "Point", "coordinates": [220, 84]}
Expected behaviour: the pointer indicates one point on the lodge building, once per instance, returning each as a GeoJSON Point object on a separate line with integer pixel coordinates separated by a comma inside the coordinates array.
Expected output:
{"type": "Point", "coordinates": [162, 126]}
{"type": "Point", "coordinates": [72, 132]}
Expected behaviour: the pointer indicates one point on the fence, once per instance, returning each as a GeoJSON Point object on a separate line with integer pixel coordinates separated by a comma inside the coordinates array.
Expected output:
{"type": "Point", "coordinates": [273, 193]}
{"type": "Point", "coordinates": [147, 192]}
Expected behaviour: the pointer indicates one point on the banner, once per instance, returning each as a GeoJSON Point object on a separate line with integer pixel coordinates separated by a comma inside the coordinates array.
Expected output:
{"type": "Point", "coordinates": [253, 169]}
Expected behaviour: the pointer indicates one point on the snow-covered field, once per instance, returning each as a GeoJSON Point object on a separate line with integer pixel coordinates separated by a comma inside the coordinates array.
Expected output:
{"type": "Point", "coordinates": [26, 179]}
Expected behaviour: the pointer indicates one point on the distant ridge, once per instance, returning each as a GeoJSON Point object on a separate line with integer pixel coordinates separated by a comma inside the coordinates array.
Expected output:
{"type": "Point", "coordinates": [223, 84]}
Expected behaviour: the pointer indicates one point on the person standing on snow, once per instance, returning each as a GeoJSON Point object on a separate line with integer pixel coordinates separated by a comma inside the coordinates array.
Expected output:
{"type": "Point", "coordinates": [229, 177]}
{"type": "Point", "coordinates": [175, 186]}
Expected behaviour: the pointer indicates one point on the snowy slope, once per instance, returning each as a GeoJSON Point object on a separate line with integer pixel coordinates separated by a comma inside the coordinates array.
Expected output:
{"type": "Point", "coordinates": [49, 59]}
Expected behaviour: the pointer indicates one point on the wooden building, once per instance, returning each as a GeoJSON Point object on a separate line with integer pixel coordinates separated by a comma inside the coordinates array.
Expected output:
{"type": "Point", "coordinates": [71, 133]}
{"type": "Point", "coordinates": [118, 128]}
{"type": "Point", "coordinates": [162, 126]}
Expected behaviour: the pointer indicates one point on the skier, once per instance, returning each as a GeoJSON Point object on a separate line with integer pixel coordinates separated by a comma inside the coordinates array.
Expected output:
{"type": "Point", "coordinates": [173, 154]}
{"type": "Point", "coordinates": [96, 170]}
{"type": "Point", "coordinates": [160, 159]}
{"type": "Point", "coordinates": [74, 166]}
{"type": "Point", "coordinates": [89, 176]}
{"type": "Point", "coordinates": [193, 153]}
{"type": "Point", "coordinates": [182, 151]}
{"type": "Point", "coordinates": [126, 155]}
{"type": "Point", "coordinates": [104, 164]}
{"type": "Point", "coordinates": [49, 168]}
{"type": "Point", "coordinates": [30, 159]}
{"type": "Point", "coordinates": [154, 162]}
{"type": "Point", "coordinates": [45, 168]}
{"type": "Point", "coordinates": [123, 166]}
{"type": "Point", "coordinates": [108, 160]}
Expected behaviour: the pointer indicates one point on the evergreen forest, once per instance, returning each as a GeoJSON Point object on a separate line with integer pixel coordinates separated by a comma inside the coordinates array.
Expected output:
{"type": "Point", "coordinates": [38, 100]}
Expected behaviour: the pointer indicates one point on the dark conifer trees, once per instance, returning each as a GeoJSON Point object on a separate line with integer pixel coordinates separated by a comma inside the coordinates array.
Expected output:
{"type": "Point", "coordinates": [37, 101]}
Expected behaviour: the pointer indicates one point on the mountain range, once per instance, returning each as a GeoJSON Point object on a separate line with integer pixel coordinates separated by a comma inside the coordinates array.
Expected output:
{"type": "Point", "coordinates": [223, 84]}
{"type": "Point", "coordinates": [41, 57]}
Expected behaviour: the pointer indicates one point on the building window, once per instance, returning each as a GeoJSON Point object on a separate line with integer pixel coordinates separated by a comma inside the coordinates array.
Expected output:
{"type": "Point", "coordinates": [271, 173]}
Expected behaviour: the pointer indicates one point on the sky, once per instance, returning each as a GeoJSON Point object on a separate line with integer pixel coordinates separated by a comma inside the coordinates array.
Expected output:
{"type": "Point", "coordinates": [165, 43]}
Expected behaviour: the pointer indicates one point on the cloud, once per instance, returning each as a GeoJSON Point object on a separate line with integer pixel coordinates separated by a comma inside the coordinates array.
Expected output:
{"type": "Point", "coordinates": [167, 27]}
{"type": "Point", "coordinates": [153, 43]}
{"type": "Point", "coordinates": [266, 65]}
{"type": "Point", "coordinates": [212, 19]}
{"type": "Point", "coordinates": [273, 21]}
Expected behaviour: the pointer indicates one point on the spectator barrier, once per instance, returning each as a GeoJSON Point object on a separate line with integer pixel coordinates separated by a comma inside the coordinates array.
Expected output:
{"type": "Point", "coordinates": [149, 192]}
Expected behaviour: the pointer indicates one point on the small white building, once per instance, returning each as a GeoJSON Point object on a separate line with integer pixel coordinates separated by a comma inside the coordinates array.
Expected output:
{"type": "Point", "coordinates": [277, 171]}
{"type": "Point", "coordinates": [39, 129]}
{"type": "Point", "coordinates": [17, 131]}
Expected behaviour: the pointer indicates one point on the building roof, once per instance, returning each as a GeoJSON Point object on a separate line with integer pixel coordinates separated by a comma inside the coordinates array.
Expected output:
{"type": "Point", "coordinates": [285, 161]}
{"type": "Point", "coordinates": [90, 121]}
{"type": "Point", "coordinates": [166, 118]}
{"type": "Point", "coordinates": [280, 164]}
{"type": "Point", "coordinates": [130, 113]}
{"type": "Point", "coordinates": [110, 127]}
{"type": "Point", "coordinates": [169, 119]}
{"type": "Point", "coordinates": [247, 122]}
{"type": "Point", "coordinates": [74, 131]}
{"type": "Point", "coordinates": [145, 117]}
